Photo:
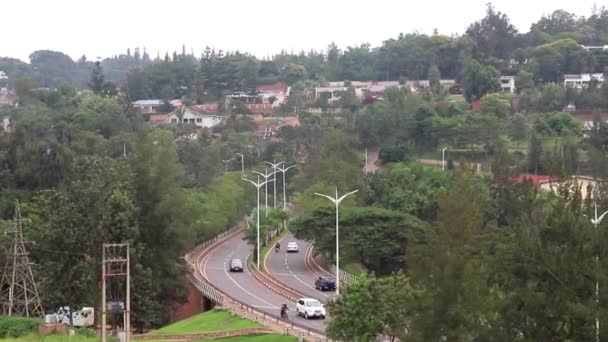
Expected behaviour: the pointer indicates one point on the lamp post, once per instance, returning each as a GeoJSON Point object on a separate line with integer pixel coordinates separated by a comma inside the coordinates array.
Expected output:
{"type": "Point", "coordinates": [443, 158]}
{"type": "Point", "coordinates": [258, 185]}
{"type": "Point", "coordinates": [337, 201]}
{"type": "Point", "coordinates": [596, 222]}
{"type": "Point", "coordinates": [366, 160]}
{"type": "Point", "coordinates": [226, 162]}
{"type": "Point", "coordinates": [265, 175]}
{"type": "Point", "coordinates": [283, 170]}
{"type": "Point", "coordinates": [274, 166]}
{"type": "Point", "coordinates": [242, 162]}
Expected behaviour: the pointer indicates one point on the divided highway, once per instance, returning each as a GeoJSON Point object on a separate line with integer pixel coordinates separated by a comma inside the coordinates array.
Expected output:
{"type": "Point", "coordinates": [243, 286]}
{"type": "Point", "coordinates": [293, 271]}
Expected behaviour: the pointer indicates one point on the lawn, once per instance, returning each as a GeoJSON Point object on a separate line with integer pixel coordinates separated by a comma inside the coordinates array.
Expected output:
{"type": "Point", "coordinates": [52, 338]}
{"type": "Point", "coordinates": [210, 321]}
{"type": "Point", "coordinates": [249, 338]}
{"type": "Point", "coordinates": [258, 338]}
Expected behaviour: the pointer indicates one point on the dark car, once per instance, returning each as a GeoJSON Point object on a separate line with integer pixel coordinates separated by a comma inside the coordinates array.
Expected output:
{"type": "Point", "coordinates": [325, 284]}
{"type": "Point", "coordinates": [236, 265]}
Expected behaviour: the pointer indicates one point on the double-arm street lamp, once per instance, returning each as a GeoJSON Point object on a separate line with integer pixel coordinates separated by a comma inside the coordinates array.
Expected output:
{"type": "Point", "coordinates": [265, 175]}
{"type": "Point", "coordinates": [283, 170]}
{"type": "Point", "coordinates": [258, 185]}
{"type": "Point", "coordinates": [226, 162]}
{"type": "Point", "coordinates": [596, 222]}
{"type": "Point", "coordinates": [274, 166]}
{"type": "Point", "coordinates": [336, 200]}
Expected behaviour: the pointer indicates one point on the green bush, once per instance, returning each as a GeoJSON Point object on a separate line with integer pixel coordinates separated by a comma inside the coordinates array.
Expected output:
{"type": "Point", "coordinates": [17, 326]}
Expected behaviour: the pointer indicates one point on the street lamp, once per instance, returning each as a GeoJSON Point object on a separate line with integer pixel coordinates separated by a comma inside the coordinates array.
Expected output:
{"type": "Point", "coordinates": [258, 185]}
{"type": "Point", "coordinates": [274, 165]}
{"type": "Point", "coordinates": [443, 158]}
{"type": "Point", "coordinates": [337, 201]}
{"type": "Point", "coordinates": [227, 161]}
{"type": "Point", "coordinates": [596, 222]}
{"type": "Point", "coordinates": [366, 160]}
{"type": "Point", "coordinates": [265, 175]}
{"type": "Point", "coordinates": [283, 170]}
{"type": "Point", "coordinates": [242, 162]}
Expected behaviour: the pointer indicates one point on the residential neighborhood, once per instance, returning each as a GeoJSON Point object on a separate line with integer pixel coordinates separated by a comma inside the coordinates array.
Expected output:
{"type": "Point", "coordinates": [249, 172]}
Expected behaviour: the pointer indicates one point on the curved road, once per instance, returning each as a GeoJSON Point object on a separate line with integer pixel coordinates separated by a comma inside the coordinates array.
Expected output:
{"type": "Point", "coordinates": [291, 270]}
{"type": "Point", "coordinates": [243, 286]}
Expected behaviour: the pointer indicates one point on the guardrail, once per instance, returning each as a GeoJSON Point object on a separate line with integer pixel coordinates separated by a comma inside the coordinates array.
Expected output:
{"type": "Point", "coordinates": [207, 291]}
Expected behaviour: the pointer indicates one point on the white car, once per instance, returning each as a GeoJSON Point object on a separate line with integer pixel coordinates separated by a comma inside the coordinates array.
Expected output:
{"type": "Point", "coordinates": [292, 247]}
{"type": "Point", "coordinates": [309, 308]}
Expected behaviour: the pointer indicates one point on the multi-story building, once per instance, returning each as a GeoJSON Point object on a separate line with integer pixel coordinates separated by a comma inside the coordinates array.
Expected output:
{"type": "Point", "coordinates": [507, 84]}
{"type": "Point", "coordinates": [580, 81]}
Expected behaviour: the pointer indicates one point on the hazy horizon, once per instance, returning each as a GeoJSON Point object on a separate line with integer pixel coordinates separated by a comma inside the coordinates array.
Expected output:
{"type": "Point", "coordinates": [84, 28]}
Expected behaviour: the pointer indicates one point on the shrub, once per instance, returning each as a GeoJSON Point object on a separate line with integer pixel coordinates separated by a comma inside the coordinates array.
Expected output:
{"type": "Point", "coordinates": [17, 326]}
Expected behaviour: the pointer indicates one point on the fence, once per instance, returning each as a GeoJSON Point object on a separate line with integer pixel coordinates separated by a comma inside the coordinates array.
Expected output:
{"type": "Point", "coordinates": [207, 290]}
{"type": "Point", "coordinates": [345, 277]}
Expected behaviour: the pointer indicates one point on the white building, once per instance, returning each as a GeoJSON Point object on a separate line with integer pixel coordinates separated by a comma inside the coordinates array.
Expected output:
{"type": "Point", "coordinates": [152, 106]}
{"type": "Point", "coordinates": [581, 81]}
{"type": "Point", "coordinates": [3, 82]}
{"type": "Point", "coordinates": [595, 47]}
{"type": "Point", "coordinates": [507, 84]}
{"type": "Point", "coordinates": [195, 118]}
{"type": "Point", "coordinates": [333, 93]}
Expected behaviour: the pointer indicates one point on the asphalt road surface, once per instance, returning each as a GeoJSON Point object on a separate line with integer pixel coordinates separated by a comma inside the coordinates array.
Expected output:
{"type": "Point", "coordinates": [291, 270]}
{"type": "Point", "coordinates": [243, 286]}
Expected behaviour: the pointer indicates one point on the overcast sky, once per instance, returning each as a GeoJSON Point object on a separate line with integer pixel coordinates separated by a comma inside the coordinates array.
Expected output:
{"type": "Point", "coordinates": [108, 27]}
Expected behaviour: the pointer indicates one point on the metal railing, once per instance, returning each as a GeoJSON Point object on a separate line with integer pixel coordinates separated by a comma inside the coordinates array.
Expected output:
{"type": "Point", "coordinates": [345, 277]}
{"type": "Point", "coordinates": [207, 291]}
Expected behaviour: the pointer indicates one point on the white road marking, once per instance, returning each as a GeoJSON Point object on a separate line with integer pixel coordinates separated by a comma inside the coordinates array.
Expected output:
{"type": "Point", "coordinates": [242, 288]}
{"type": "Point", "coordinates": [301, 281]}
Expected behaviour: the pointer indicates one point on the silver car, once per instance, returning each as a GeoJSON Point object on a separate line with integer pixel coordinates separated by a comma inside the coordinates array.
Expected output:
{"type": "Point", "coordinates": [236, 265]}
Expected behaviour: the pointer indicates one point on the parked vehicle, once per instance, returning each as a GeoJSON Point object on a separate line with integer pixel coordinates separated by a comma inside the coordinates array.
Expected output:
{"type": "Point", "coordinates": [236, 265]}
{"type": "Point", "coordinates": [310, 308]}
{"type": "Point", "coordinates": [292, 247]}
{"type": "Point", "coordinates": [325, 284]}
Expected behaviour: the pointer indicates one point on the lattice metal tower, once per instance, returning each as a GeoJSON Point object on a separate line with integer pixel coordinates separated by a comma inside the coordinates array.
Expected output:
{"type": "Point", "coordinates": [19, 294]}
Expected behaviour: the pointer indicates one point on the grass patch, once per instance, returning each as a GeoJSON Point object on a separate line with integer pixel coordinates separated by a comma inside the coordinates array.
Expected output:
{"type": "Point", "coordinates": [210, 321]}
{"type": "Point", "coordinates": [55, 338]}
{"type": "Point", "coordinates": [258, 338]}
{"type": "Point", "coordinates": [271, 244]}
{"type": "Point", "coordinates": [248, 338]}
{"type": "Point", "coordinates": [16, 326]}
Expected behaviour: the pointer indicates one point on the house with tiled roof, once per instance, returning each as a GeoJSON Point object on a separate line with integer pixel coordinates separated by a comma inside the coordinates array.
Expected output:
{"type": "Point", "coordinates": [196, 118]}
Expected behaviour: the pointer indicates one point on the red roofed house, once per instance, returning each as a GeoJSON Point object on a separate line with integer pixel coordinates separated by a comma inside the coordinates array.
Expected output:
{"type": "Point", "coordinates": [157, 119]}
{"type": "Point", "coordinates": [260, 108]}
{"type": "Point", "coordinates": [211, 108]}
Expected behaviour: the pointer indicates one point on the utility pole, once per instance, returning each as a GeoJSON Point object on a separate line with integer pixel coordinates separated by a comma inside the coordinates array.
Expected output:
{"type": "Point", "coordinates": [19, 290]}
{"type": "Point", "coordinates": [115, 263]}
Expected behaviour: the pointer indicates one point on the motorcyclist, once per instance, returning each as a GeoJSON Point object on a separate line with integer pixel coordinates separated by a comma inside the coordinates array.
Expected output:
{"type": "Point", "coordinates": [277, 247]}
{"type": "Point", "coordinates": [284, 310]}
